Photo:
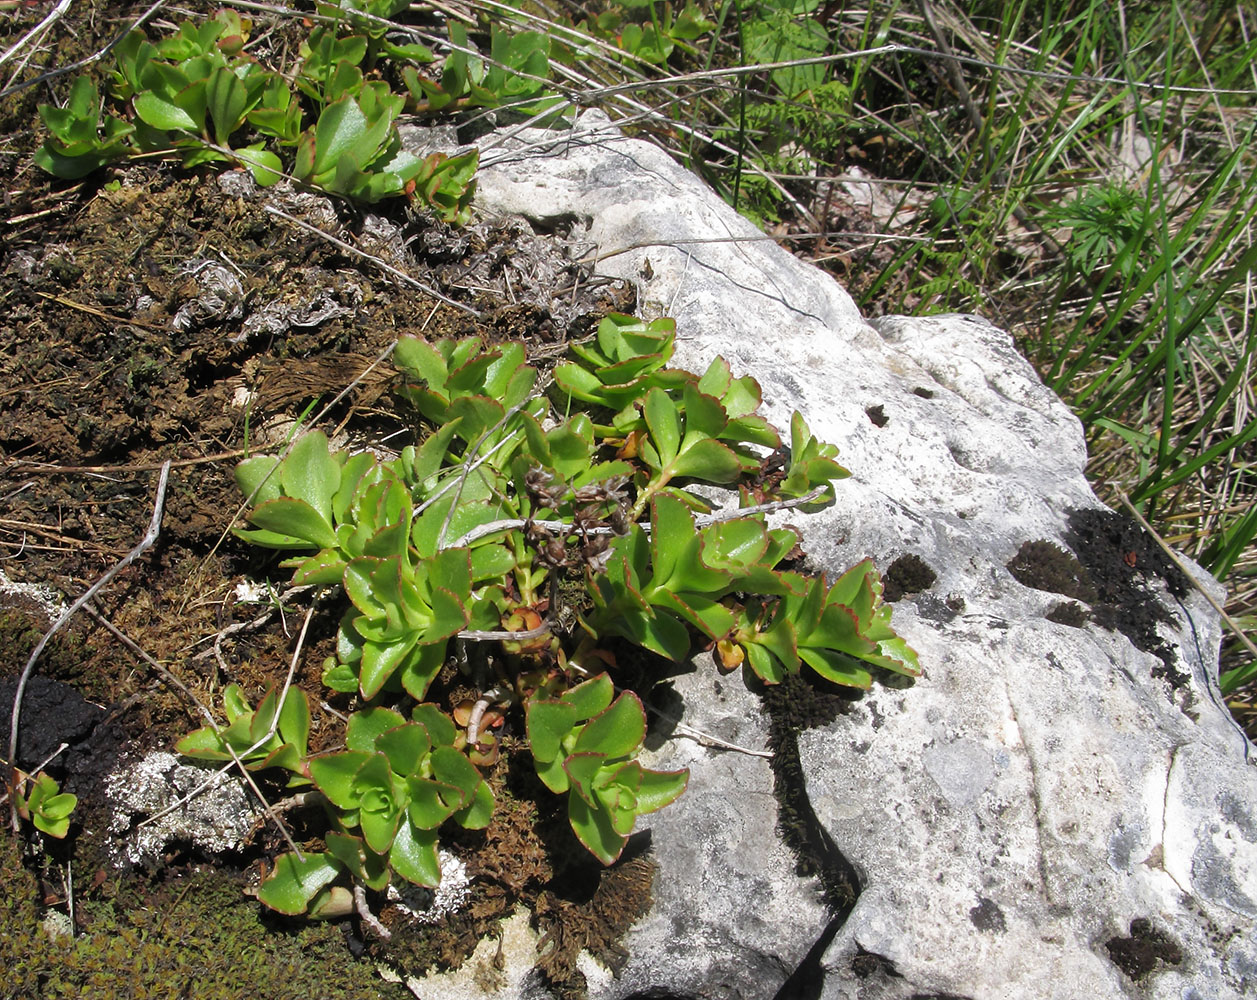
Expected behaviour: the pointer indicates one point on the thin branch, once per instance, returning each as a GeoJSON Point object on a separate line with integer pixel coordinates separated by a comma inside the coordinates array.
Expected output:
{"type": "Point", "coordinates": [369, 919]}
{"type": "Point", "coordinates": [53, 17]}
{"type": "Point", "coordinates": [731, 514]}
{"type": "Point", "coordinates": [143, 654]}
{"type": "Point", "coordinates": [149, 538]}
{"type": "Point", "coordinates": [82, 63]}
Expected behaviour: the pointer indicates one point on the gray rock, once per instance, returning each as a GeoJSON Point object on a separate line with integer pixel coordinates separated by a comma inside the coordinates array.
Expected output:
{"type": "Point", "coordinates": [1051, 811]}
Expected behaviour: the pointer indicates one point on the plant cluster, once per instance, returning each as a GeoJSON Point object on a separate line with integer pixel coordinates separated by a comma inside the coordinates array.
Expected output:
{"type": "Point", "coordinates": [201, 96]}
{"type": "Point", "coordinates": [521, 535]}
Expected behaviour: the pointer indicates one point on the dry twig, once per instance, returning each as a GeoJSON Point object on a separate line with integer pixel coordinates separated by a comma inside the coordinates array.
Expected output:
{"type": "Point", "coordinates": [149, 538]}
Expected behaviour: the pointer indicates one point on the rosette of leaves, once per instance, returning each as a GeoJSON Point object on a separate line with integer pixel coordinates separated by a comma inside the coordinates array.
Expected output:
{"type": "Point", "coordinates": [390, 791]}
{"type": "Point", "coordinates": [407, 597]}
{"type": "Point", "coordinates": [194, 91]}
{"type": "Point", "coordinates": [626, 357]}
{"type": "Point", "coordinates": [838, 630]}
{"type": "Point", "coordinates": [585, 744]}
{"type": "Point", "coordinates": [81, 139]}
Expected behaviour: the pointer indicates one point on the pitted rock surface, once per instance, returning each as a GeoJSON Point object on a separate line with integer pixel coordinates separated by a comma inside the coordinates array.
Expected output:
{"type": "Point", "coordinates": [1048, 812]}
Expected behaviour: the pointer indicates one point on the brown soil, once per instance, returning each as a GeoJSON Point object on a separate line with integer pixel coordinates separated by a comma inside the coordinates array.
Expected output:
{"type": "Point", "coordinates": [152, 314]}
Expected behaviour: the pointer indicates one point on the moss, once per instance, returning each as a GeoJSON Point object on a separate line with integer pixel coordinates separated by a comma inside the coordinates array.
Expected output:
{"type": "Point", "coordinates": [622, 896]}
{"type": "Point", "coordinates": [1044, 565]}
{"type": "Point", "coordinates": [196, 936]}
{"type": "Point", "coordinates": [909, 574]}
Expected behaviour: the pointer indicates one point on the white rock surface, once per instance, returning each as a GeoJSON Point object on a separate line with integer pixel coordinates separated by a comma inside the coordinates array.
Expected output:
{"type": "Point", "coordinates": [1042, 786]}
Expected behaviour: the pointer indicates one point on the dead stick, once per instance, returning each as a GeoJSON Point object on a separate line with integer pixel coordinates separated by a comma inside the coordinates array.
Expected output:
{"type": "Point", "coordinates": [53, 17]}
{"type": "Point", "coordinates": [149, 538]}
{"type": "Point", "coordinates": [82, 63]}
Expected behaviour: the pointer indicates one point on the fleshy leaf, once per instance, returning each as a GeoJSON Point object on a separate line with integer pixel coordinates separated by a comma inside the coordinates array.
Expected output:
{"type": "Point", "coordinates": [616, 732]}
{"type": "Point", "coordinates": [413, 856]}
{"type": "Point", "coordinates": [294, 883]}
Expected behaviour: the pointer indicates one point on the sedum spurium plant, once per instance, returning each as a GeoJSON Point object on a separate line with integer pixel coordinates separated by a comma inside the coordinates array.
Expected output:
{"type": "Point", "coordinates": [548, 525]}
{"type": "Point", "coordinates": [45, 805]}
{"type": "Point", "coordinates": [201, 96]}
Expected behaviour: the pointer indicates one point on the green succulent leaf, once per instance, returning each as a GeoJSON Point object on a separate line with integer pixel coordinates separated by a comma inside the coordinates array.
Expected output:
{"type": "Point", "coordinates": [162, 113]}
{"type": "Point", "coordinates": [294, 521]}
{"type": "Point", "coordinates": [657, 789]}
{"type": "Point", "coordinates": [440, 728]}
{"type": "Point", "coordinates": [294, 720]}
{"type": "Point", "coordinates": [266, 167]}
{"type": "Point", "coordinates": [413, 855]}
{"type": "Point", "coordinates": [294, 883]}
{"type": "Point", "coordinates": [336, 775]}
{"type": "Point", "coordinates": [432, 802]}
{"type": "Point", "coordinates": [616, 732]}
{"type": "Point", "coordinates": [364, 864]}
{"type": "Point", "coordinates": [548, 724]}
{"type": "Point", "coordinates": [583, 769]}
{"type": "Point", "coordinates": [406, 747]}
{"type": "Point", "coordinates": [420, 668]}
{"type": "Point", "coordinates": [257, 480]}
{"type": "Point", "coordinates": [47, 806]}
{"type": "Point", "coordinates": [477, 813]}
{"type": "Point", "coordinates": [595, 828]}
{"type": "Point", "coordinates": [367, 725]}
{"type": "Point", "coordinates": [590, 697]}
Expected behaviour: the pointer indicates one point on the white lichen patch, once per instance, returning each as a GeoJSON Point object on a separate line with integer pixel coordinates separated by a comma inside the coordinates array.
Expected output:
{"type": "Point", "coordinates": [252, 592]}
{"type": "Point", "coordinates": [47, 600]}
{"type": "Point", "coordinates": [217, 818]}
{"type": "Point", "coordinates": [430, 906]}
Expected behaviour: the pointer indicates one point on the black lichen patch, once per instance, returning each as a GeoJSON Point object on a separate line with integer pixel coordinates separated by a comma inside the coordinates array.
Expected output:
{"type": "Point", "coordinates": [877, 415]}
{"type": "Point", "coordinates": [1121, 560]}
{"type": "Point", "coordinates": [1069, 613]}
{"type": "Point", "coordinates": [1145, 948]}
{"type": "Point", "coordinates": [52, 714]}
{"type": "Point", "coordinates": [1044, 565]}
{"type": "Point", "coordinates": [909, 574]}
{"type": "Point", "coordinates": [987, 916]}
{"type": "Point", "coordinates": [865, 964]}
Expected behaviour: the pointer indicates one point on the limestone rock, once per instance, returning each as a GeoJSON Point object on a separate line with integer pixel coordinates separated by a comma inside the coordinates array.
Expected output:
{"type": "Point", "coordinates": [1061, 806]}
